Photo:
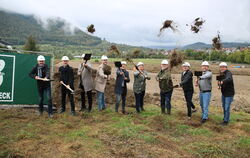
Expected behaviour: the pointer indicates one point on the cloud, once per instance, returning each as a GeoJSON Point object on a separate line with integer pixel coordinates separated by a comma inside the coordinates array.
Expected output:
{"type": "Point", "coordinates": [137, 22]}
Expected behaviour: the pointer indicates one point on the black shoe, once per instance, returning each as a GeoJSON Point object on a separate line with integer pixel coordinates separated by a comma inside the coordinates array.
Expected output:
{"type": "Point", "coordinates": [203, 120]}
{"type": "Point", "coordinates": [82, 109]}
{"type": "Point", "coordinates": [61, 111]}
{"type": "Point", "coordinates": [224, 123]}
{"type": "Point", "coordinates": [169, 112]}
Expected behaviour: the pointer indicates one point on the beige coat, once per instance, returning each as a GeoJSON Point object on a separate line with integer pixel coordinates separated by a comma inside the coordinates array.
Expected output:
{"type": "Point", "coordinates": [101, 79]}
{"type": "Point", "coordinates": [86, 76]}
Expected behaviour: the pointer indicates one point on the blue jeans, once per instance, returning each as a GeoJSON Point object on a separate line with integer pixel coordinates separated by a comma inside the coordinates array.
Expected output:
{"type": "Point", "coordinates": [204, 103]}
{"type": "Point", "coordinates": [166, 101]}
{"type": "Point", "coordinates": [47, 91]}
{"type": "Point", "coordinates": [226, 103]}
{"type": "Point", "coordinates": [100, 100]}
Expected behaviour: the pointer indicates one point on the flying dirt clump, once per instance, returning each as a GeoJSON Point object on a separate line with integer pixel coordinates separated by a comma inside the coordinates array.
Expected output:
{"type": "Point", "coordinates": [197, 25]}
{"type": "Point", "coordinates": [217, 42]}
{"type": "Point", "coordinates": [114, 49]}
{"type": "Point", "coordinates": [91, 28]}
{"type": "Point", "coordinates": [176, 58]}
{"type": "Point", "coordinates": [168, 24]}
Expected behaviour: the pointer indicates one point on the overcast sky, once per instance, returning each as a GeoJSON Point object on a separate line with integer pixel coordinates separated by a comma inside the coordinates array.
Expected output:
{"type": "Point", "coordinates": [137, 22]}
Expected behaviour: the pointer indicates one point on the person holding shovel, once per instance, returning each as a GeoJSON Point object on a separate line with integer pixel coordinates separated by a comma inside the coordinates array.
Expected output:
{"type": "Point", "coordinates": [166, 87]}
{"type": "Point", "coordinates": [67, 84]}
{"type": "Point", "coordinates": [139, 86]}
{"type": "Point", "coordinates": [227, 91]}
{"type": "Point", "coordinates": [100, 83]}
{"type": "Point", "coordinates": [86, 82]}
{"type": "Point", "coordinates": [122, 78]}
{"type": "Point", "coordinates": [188, 88]}
{"type": "Point", "coordinates": [205, 85]}
{"type": "Point", "coordinates": [41, 73]}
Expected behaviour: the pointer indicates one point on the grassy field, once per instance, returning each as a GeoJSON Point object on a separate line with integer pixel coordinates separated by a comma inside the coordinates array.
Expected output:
{"type": "Point", "coordinates": [109, 134]}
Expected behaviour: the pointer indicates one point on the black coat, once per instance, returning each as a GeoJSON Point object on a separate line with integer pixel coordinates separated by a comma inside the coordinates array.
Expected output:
{"type": "Point", "coordinates": [187, 81]}
{"type": "Point", "coordinates": [44, 73]}
{"type": "Point", "coordinates": [227, 88]}
{"type": "Point", "coordinates": [120, 80]}
{"type": "Point", "coordinates": [67, 75]}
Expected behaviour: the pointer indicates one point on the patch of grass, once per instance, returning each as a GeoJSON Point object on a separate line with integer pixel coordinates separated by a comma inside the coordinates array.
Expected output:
{"type": "Point", "coordinates": [24, 134]}
{"type": "Point", "coordinates": [148, 138]}
{"type": "Point", "coordinates": [76, 134]}
{"type": "Point", "coordinates": [200, 131]}
{"type": "Point", "coordinates": [244, 142]}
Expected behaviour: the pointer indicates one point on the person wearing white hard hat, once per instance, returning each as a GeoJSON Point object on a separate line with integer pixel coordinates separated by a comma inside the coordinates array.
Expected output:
{"type": "Point", "coordinates": [139, 86]}
{"type": "Point", "coordinates": [227, 91]}
{"type": "Point", "coordinates": [205, 85]}
{"type": "Point", "coordinates": [41, 73]}
{"type": "Point", "coordinates": [122, 78]}
{"type": "Point", "coordinates": [100, 83]}
{"type": "Point", "coordinates": [166, 87]}
{"type": "Point", "coordinates": [188, 88]}
{"type": "Point", "coordinates": [67, 78]}
{"type": "Point", "coordinates": [86, 81]}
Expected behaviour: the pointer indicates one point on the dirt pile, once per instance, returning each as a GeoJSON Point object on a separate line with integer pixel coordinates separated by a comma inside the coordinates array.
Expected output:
{"type": "Point", "coordinates": [109, 93]}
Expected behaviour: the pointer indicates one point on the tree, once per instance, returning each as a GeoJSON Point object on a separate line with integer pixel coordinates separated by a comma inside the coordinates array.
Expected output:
{"type": "Point", "coordinates": [31, 44]}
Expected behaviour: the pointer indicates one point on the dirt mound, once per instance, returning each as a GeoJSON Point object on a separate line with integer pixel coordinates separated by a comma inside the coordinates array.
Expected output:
{"type": "Point", "coordinates": [109, 92]}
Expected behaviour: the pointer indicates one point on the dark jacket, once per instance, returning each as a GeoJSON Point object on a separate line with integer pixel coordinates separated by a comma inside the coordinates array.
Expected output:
{"type": "Point", "coordinates": [139, 85]}
{"type": "Point", "coordinates": [187, 81]}
{"type": "Point", "coordinates": [165, 81]}
{"type": "Point", "coordinates": [67, 75]}
{"type": "Point", "coordinates": [42, 72]}
{"type": "Point", "coordinates": [120, 82]}
{"type": "Point", "coordinates": [227, 88]}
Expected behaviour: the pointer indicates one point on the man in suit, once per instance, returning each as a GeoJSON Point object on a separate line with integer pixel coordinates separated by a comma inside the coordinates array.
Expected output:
{"type": "Point", "coordinates": [41, 71]}
{"type": "Point", "coordinates": [122, 78]}
{"type": "Point", "coordinates": [67, 78]}
{"type": "Point", "coordinates": [188, 88]}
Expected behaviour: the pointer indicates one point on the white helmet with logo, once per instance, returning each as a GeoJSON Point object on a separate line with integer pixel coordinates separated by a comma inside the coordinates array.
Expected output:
{"type": "Point", "coordinates": [165, 62]}
{"type": "Point", "coordinates": [204, 63]}
{"type": "Point", "coordinates": [40, 58]}
{"type": "Point", "coordinates": [65, 58]}
{"type": "Point", "coordinates": [223, 64]}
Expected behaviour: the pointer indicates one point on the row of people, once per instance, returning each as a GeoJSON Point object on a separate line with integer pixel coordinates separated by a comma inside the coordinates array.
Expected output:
{"type": "Point", "coordinates": [41, 73]}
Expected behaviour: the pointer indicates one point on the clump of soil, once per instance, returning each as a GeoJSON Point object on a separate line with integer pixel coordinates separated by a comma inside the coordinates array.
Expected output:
{"type": "Point", "coordinates": [176, 58]}
{"type": "Point", "coordinates": [136, 53]}
{"type": "Point", "coordinates": [113, 48]}
{"type": "Point", "coordinates": [91, 28]}
{"type": "Point", "coordinates": [107, 69]}
{"type": "Point", "coordinates": [217, 42]}
{"type": "Point", "coordinates": [168, 24]}
{"type": "Point", "coordinates": [197, 25]}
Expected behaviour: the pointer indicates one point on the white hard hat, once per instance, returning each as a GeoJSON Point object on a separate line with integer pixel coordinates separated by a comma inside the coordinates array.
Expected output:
{"type": "Point", "coordinates": [204, 63]}
{"type": "Point", "coordinates": [140, 63]}
{"type": "Point", "coordinates": [223, 64]}
{"type": "Point", "coordinates": [40, 58]}
{"type": "Point", "coordinates": [104, 57]}
{"type": "Point", "coordinates": [165, 62]}
{"type": "Point", "coordinates": [65, 58]}
{"type": "Point", "coordinates": [83, 55]}
{"type": "Point", "coordinates": [186, 64]}
{"type": "Point", "coordinates": [124, 63]}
